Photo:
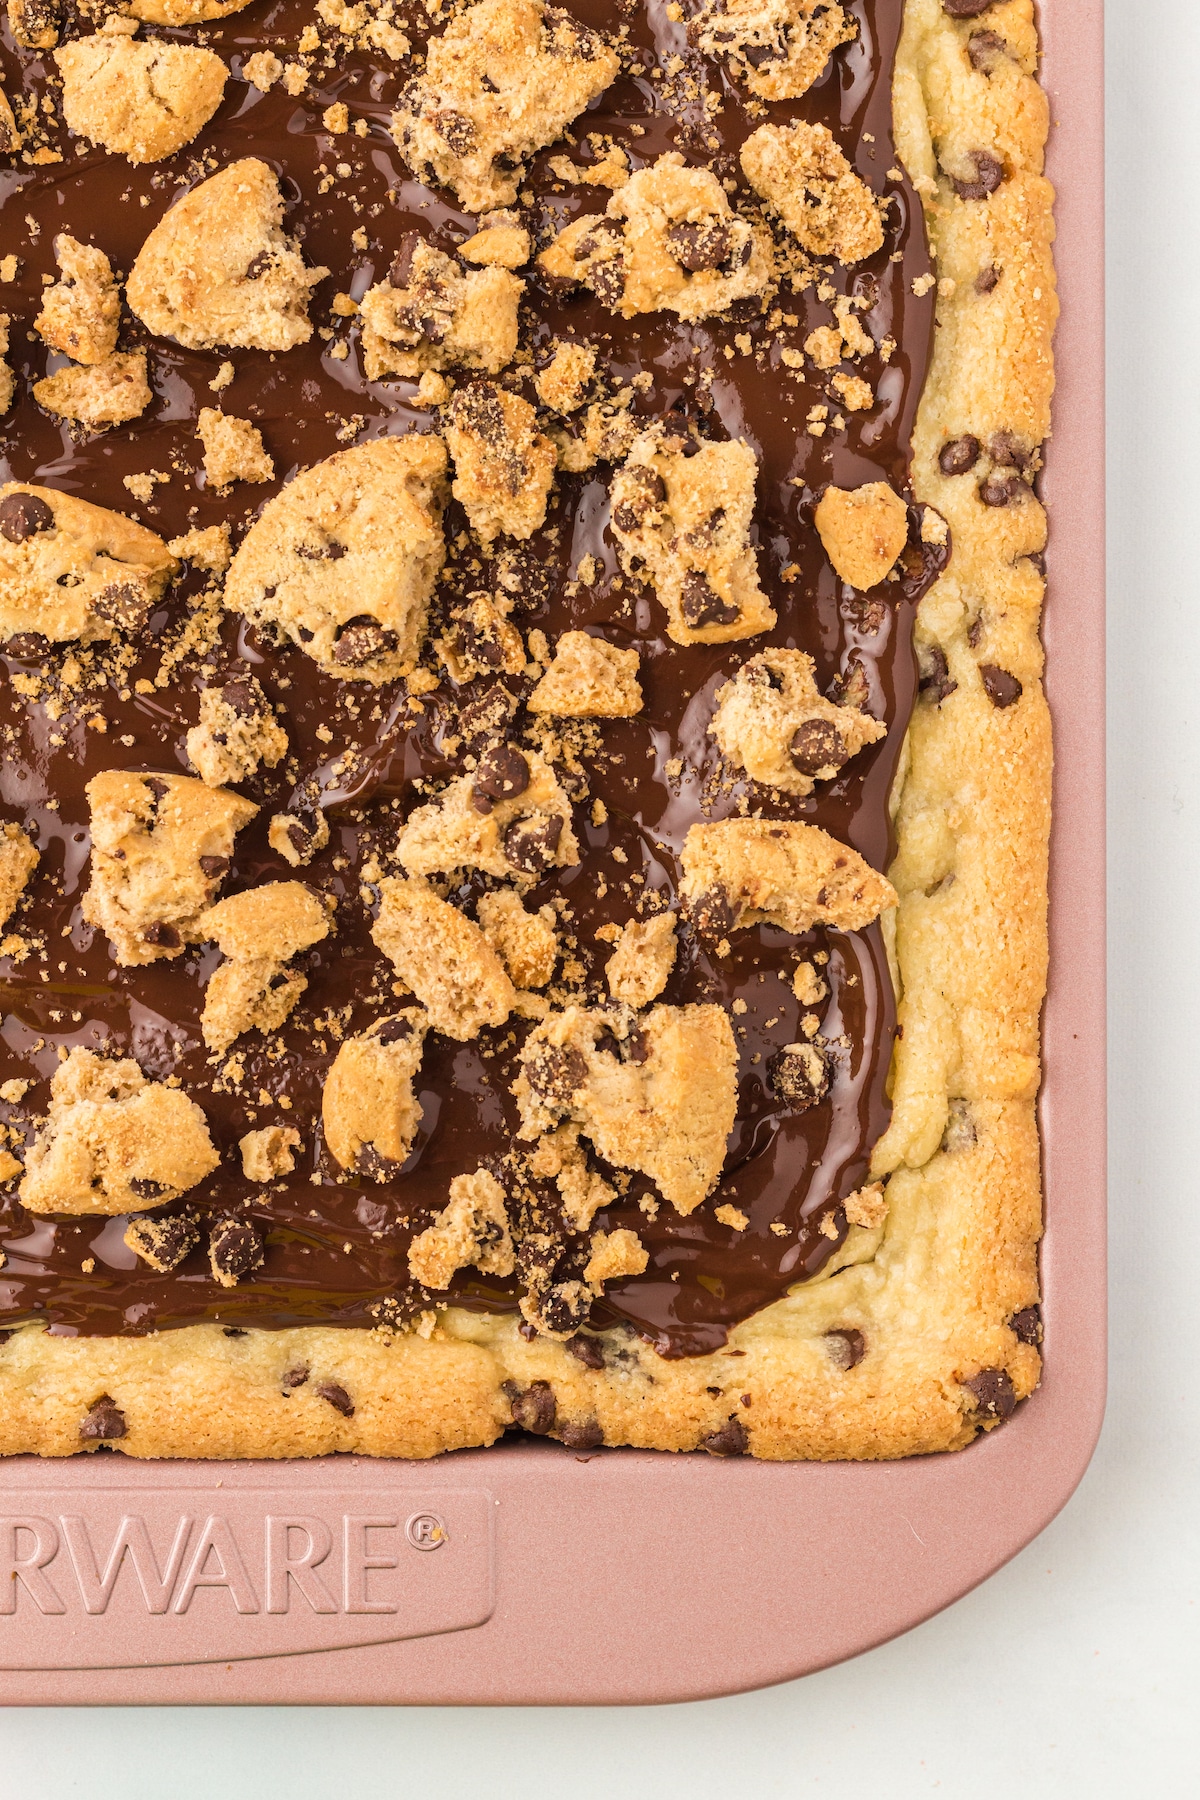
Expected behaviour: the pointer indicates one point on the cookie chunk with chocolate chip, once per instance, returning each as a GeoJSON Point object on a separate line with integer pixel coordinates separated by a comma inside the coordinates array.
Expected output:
{"type": "Point", "coordinates": [233, 450]}
{"type": "Point", "coordinates": [505, 78]}
{"type": "Point", "coordinates": [503, 465]}
{"type": "Point", "coordinates": [588, 679]}
{"type": "Point", "coordinates": [526, 943]}
{"type": "Point", "coordinates": [656, 1092]}
{"type": "Point", "coordinates": [472, 1230]}
{"type": "Point", "coordinates": [37, 24]}
{"type": "Point", "coordinates": [235, 1248]}
{"type": "Point", "coordinates": [668, 241]}
{"type": "Point", "coordinates": [81, 312]}
{"type": "Point", "coordinates": [237, 731]}
{"type": "Point", "coordinates": [563, 383]}
{"type": "Point", "coordinates": [444, 958]}
{"type": "Point", "coordinates": [259, 932]}
{"type": "Point", "coordinates": [510, 818]}
{"type": "Point", "coordinates": [298, 836]}
{"type": "Point", "coordinates": [863, 531]}
{"type": "Point", "coordinates": [143, 101]}
{"type": "Point", "coordinates": [74, 572]}
{"type": "Point", "coordinates": [18, 860]}
{"type": "Point", "coordinates": [344, 559]}
{"type": "Point", "coordinates": [681, 515]}
{"type": "Point", "coordinates": [430, 313]}
{"type": "Point", "coordinates": [480, 640]}
{"type": "Point", "coordinates": [776, 47]}
{"type": "Point", "coordinates": [800, 172]}
{"type": "Point", "coordinates": [98, 395]}
{"type": "Point", "coordinates": [369, 1111]}
{"type": "Point", "coordinates": [161, 846]}
{"type": "Point", "coordinates": [220, 269]}
{"type": "Point", "coordinates": [114, 1142]}
{"type": "Point", "coordinates": [772, 722]}
{"type": "Point", "coordinates": [162, 1244]}
{"type": "Point", "coordinates": [739, 872]}
{"type": "Point", "coordinates": [640, 965]}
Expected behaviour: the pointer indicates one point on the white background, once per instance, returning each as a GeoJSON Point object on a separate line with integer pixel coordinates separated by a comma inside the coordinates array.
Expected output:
{"type": "Point", "coordinates": [1073, 1672]}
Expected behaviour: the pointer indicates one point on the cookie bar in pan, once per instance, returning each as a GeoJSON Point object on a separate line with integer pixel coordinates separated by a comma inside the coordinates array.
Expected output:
{"type": "Point", "coordinates": [526, 781]}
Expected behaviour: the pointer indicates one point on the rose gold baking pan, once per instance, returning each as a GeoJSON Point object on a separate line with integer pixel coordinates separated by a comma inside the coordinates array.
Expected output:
{"type": "Point", "coordinates": [528, 1574]}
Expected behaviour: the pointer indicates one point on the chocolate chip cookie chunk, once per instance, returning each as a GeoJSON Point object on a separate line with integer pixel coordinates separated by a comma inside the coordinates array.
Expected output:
{"type": "Point", "coordinates": [73, 572]}
{"type": "Point", "coordinates": [144, 101]}
{"type": "Point", "coordinates": [369, 1111]}
{"type": "Point", "coordinates": [772, 722]}
{"type": "Point", "coordinates": [777, 47]}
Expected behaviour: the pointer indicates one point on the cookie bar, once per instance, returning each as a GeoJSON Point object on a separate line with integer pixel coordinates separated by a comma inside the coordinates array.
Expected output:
{"type": "Point", "coordinates": [523, 864]}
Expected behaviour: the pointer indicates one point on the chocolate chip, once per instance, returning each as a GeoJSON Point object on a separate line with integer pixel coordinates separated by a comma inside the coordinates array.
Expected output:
{"type": "Point", "coordinates": [959, 455]}
{"type": "Point", "coordinates": [158, 787]}
{"type": "Point", "coordinates": [487, 715]}
{"type": "Point", "coordinates": [336, 1396]}
{"type": "Point", "coordinates": [960, 1131]}
{"type": "Point", "coordinates": [293, 1378]}
{"type": "Point", "coordinates": [636, 1048]}
{"type": "Point", "coordinates": [456, 130]}
{"type": "Point", "coordinates": [817, 745]}
{"type": "Point", "coordinates": [993, 1391]}
{"type": "Point", "coordinates": [234, 1249]}
{"type": "Point", "coordinates": [1026, 1325]}
{"type": "Point", "coordinates": [301, 840]}
{"type": "Point", "coordinates": [374, 1165]}
{"type": "Point", "coordinates": [600, 236]}
{"type": "Point", "coordinates": [243, 698]}
{"type": "Point", "coordinates": [23, 516]}
{"type": "Point", "coordinates": [145, 1189]}
{"type": "Point", "coordinates": [625, 518]}
{"type": "Point", "coordinates": [1009, 451]}
{"type": "Point", "coordinates": [702, 605]}
{"type": "Point", "coordinates": [556, 1072]}
{"type": "Point", "coordinates": [986, 50]}
{"type": "Point", "coordinates": [697, 247]}
{"type": "Point", "coordinates": [1037, 560]}
{"type": "Point", "coordinates": [214, 866]}
{"type": "Point", "coordinates": [530, 844]}
{"type": "Point", "coordinates": [935, 683]}
{"type": "Point", "coordinates": [121, 604]}
{"type": "Point", "coordinates": [503, 773]}
{"type": "Point", "coordinates": [162, 935]}
{"type": "Point", "coordinates": [565, 1307]}
{"type": "Point", "coordinates": [533, 1408]}
{"type": "Point", "coordinates": [587, 1350]}
{"type": "Point", "coordinates": [1001, 490]}
{"type": "Point", "coordinates": [965, 9]}
{"type": "Point", "coordinates": [987, 279]}
{"type": "Point", "coordinates": [28, 645]}
{"type": "Point", "coordinates": [104, 1421]}
{"type": "Point", "coordinates": [259, 266]}
{"type": "Point", "coordinates": [1002, 688]}
{"type": "Point", "coordinates": [393, 1031]}
{"type": "Point", "coordinates": [581, 1434]}
{"type": "Point", "coordinates": [800, 1075]}
{"type": "Point", "coordinates": [759, 55]}
{"type": "Point", "coordinates": [989, 174]}
{"type": "Point", "coordinates": [361, 640]}
{"type": "Point", "coordinates": [731, 1440]}
{"type": "Point", "coordinates": [845, 1347]}
{"type": "Point", "coordinates": [399, 274]}
{"type": "Point", "coordinates": [233, 1331]}
{"type": "Point", "coordinates": [713, 914]}
{"type": "Point", "coordinates": [607, 280]}
{"type": "Point", "coordinates": [649, 480]}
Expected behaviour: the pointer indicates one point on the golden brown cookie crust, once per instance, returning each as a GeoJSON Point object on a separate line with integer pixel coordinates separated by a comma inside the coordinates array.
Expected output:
{"type": "Point", "coordinates": [904, 1344]}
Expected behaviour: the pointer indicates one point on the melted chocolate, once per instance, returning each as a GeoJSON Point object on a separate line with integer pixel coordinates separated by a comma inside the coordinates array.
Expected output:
{"type": "Point", "coordinates": [336, 1247]}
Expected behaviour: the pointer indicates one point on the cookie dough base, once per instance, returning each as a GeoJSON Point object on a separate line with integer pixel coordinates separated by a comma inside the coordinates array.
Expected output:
{"type": "Point", "coordinates": [956, 1256]}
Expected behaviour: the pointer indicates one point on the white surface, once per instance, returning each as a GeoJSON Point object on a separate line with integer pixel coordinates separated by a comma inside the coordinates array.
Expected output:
{"type": "Point", "coordinates": [1072, 1672]}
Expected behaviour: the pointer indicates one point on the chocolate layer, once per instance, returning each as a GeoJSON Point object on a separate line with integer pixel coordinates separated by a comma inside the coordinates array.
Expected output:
{"type": "Point", "coordinates": [337, 1247]}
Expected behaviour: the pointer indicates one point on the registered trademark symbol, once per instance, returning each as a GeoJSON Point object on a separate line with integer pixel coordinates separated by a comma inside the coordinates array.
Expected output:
{"type": "Point", "coordinates": [425, 1531]}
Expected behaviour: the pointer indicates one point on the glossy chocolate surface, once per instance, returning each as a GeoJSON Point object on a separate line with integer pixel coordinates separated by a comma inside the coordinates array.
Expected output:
{"type": "Point", "coordinates": [337, 1246]}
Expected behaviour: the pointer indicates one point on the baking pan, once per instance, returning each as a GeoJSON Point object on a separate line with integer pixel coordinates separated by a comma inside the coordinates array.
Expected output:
{"type": "Point", "coordinates": [527, 1574]}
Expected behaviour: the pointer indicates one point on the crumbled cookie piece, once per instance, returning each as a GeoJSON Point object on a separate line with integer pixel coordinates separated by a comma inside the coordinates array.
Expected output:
{"type": "Point", "coordinates": [563, 384]}
{"type": "Point", "coordinates": [98, 395]}
{"type": "Point", "coordinates": [867, 1207]}
{"type": "Point", "coordinates": [235, 1249]}
{"type": "Point", "coordinates": [296, 837]}
{"type": "Point", "coordinates": [604, 432]}
{"type": "Point", "coordinates": [8, 381]}
{"type": "Point", "coordinates": [344, 559]}
{"type": "Point", "coordinates": [800, 1075]}
{"type": "Point", "coordinates": [588, 679]}
{"type": "Point", "coordinates": [740, 872]}
{"type": "Point", "coordinates": [237, 731]}
{"type": "Point", "coordinates": [800, 171]}
{"type": "Point", "coordinates": [500, 246]}
{"type": "Point", "coordinates": [772, 722]}
{"type": "Point", "coordinates": [503, 465]}
{"type": "Point", "coordinates": [183, 12]}
{"type": "Point", "coordinates": [558, 1157]}
{"type": "Point", "coordinates": [526, 943]}
{"type": "Point", "coordinates": [656, 1093]}
{"type": "Point", "coordinates": [777, 47]}
{"type": "Point", "coordinates": [479, 640]}
{"type": "Point", "coordinates": [143, 101]}
{"type": "Point", "coordinates": [269, 1152]}
{"type": "Point", "coordinates": [863, 530]}
{"type": "Point", "coordinates": [444, 958]}
{"type": "Point", "coordinates": [808, 986]}
{"type": "Point", "coordinates": [504, 79]}
{"type": "Point", "coordinates": [81, 312]}
{"type": "Point", "coordinates": [206, 547]}
{"type": "Point", "coordinates": [259, 932]}
{"type": "Point", "coordinates": [162, 1244]}
{"type": "Point", "coordinates": [263, 70]}
{"type": "Point", "coordinates": [685, 518]}
{"type": "Point", "coordinates": [71, 571]}
{"type": "Point", "coordinates": [369, 1111]}
{"type": "Point", "coordinates": [733, 1216]}
{"type": "Point", "coordinates": [639, 967]}
{"type": "Point", "coordinates": [114, 1142]}
{"type": "Point", "coordinates": [233, 450]}
{"type": "Point", "coordinates": [428, 313]}
{"type": "Point", "coordinates": [18, 860]}
{"type": "Point", "coordinates": [614, 1255]}
{"type": "Point", "coordinates": [161, 846]}
{"type": "Point", "coordinates": [611, 171]}
{"type": "Point", "coordinates": [667, 241]}
{"type": "Point", "coordinates": [509, 818]}
{"type": "Point", "coordinates": [10, 132]}
{"type": "Point", "coordinates": [219, 268]}
{"type": "Point", "coordinates": [472, 1230]}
